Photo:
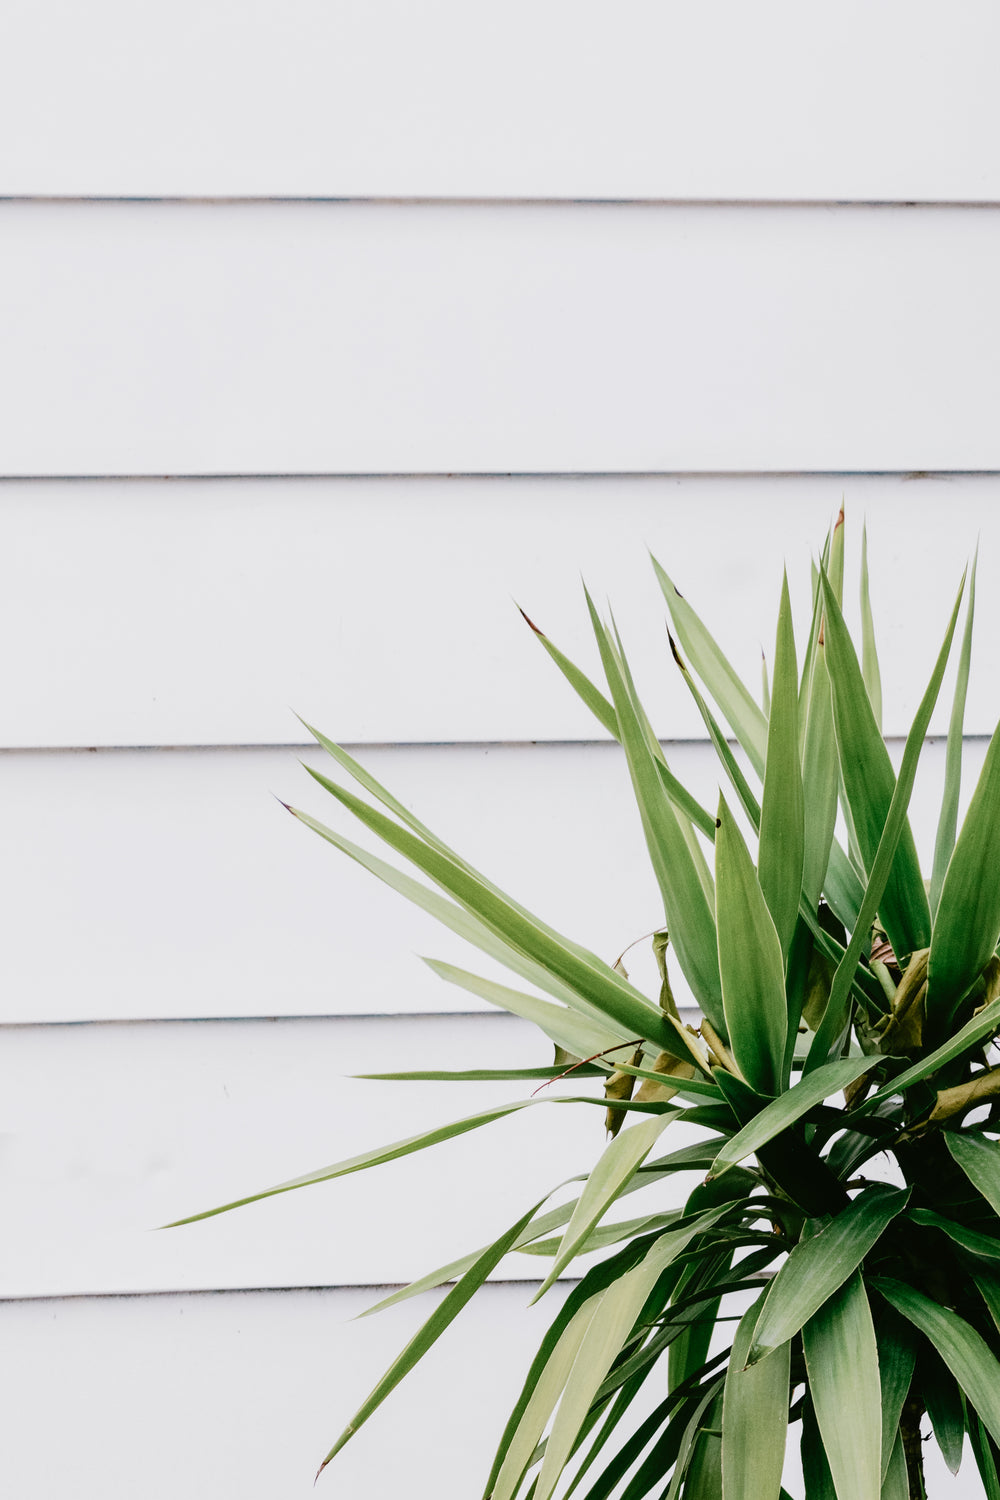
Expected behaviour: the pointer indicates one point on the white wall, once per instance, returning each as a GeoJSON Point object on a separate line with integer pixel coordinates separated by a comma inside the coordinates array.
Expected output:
{"type": "Point", "coordinates": [325, 331]}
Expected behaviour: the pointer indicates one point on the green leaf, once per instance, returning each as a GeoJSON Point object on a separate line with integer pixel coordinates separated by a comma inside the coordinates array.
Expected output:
{"type": "Point", "coordinates": [944, 843]}
{"type": "Point", "coordinates": [581, 970]}
{"type": "Point", "coordinates": [689, 917]}
{"type": "Point", "coordinates": [444, 1314]}
{"type": "Point", "coordinates": [725, 686]}
{"type": "Point", "coordinates": [897, 1356]}
{"type": "Point", "coordinates": [754, 1415]}
{"type": "Point", "coordinates": [750, 962]}
{"type": "Point", "coordinates": [895, 1482]}
{"type": "Point", "coordinates": [817, 1267]}
{"type": "Point", "coordinates": [605, 714]}
{"type": "Point", "coordinates": [944, 1407]}
{"type": "Point", "coordinates": [613, 1320]}
{"type": "Point", "coordinates": [870, 784]}
{"type": "Point", "coordinates": [842, 1366]}
{"type": "Point", "coordinates": [981, 1245]}
{"type": "Point", "coordinates": [967, 1356]}
{"type": "Point", "coordinates": [546, 1390]}
{"type": "Point", "coordinates": [819, 783]}
{"type": "Point", "coordinates": [890, 842]}
{"type": "Point", "coordinates": [985, 1457]}
{"type": "Point", "coordinates": [979, 1159]}
{"type": "Point", "coordinates": [967, 925]}
{"type": "Point", "coordinates": [617, 1165]}
{"type": "Point", "coordinates": [720, 744]}
{"type": "Point", "coordinates": [780, 858]}
{"type": "Point", "coordinates": [782, 1112]}
{"type": "Point", "coordinates": [581, 684]}
{"type": "Point", "coordinates": [869, 655]}
{"type": "Point", "coordinates": [982, 1025]}
{"type": "Point", "coordinates": [577, 1034]}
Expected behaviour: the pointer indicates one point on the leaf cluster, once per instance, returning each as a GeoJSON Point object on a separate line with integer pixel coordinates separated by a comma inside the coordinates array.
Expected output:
{"type": "Point", "coordinates": [847, 1008]}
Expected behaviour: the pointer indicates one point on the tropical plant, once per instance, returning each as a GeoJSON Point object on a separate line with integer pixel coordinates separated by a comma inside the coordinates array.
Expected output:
{"type": "Point", "coordinates": [848, 1112]}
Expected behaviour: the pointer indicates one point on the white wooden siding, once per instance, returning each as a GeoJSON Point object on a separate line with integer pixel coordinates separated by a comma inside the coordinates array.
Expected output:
{"type": "Point", "coordinates": [705, 361]}
{"type": "Point", "coordinates": [201, 613]}
{"type": "Point", "coordinates": [549, 98]}
{"type": "Point", "coordinates": [170, 1120]}
{"type": "Point", "coordinates": [262, 338]}
{"type": "Point", "coordinates": [244, 1394]}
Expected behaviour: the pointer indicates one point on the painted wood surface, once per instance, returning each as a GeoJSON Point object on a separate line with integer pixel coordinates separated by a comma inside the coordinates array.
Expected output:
{"type": "Point", "coordinates": [111, 1132]}
{"type": "Point", "coordinates": [141, 885]}
{"type": "Point", "coordinates": [262, 338]}
{"type": "Point", "coordinates": [244, 1395]}
{"type": "Point", "coordinates": [151, 613]}
{"type": "Point", "coordinates": [553, 99]}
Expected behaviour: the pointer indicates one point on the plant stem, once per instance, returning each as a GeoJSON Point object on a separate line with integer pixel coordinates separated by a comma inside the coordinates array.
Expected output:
{"type": "Point", "coordinates": [909, 1427]}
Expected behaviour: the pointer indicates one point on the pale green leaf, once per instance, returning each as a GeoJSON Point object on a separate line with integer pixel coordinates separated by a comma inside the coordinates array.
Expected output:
{"type": "Point", "coordinates": [754, 1416]}
{"type": "Point", "coordinates": [780, 856]}
{"type": "Point", "coordinates": [869, 654]}
{"type": "Point", "coordinates": [689, 917]}
{"type": "Point", "coordinates": [616, 1166]}
{"type": "Point", "coordinates": [842, 1366]}
{"type": "Point", "coordinates": [944, 842]}
{"type": "Point", "coordinates": [725, 686]}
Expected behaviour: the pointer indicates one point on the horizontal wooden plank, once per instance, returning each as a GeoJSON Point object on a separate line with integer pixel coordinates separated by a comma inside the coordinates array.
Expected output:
{"type": "Point", "coordinates": [243, 1395]}
{"type": "Point", "coordinates": [195, 612]}
{"type": "Point", "coordinates": [111, 1131]}
{"type": "Point", "coordinates": [333, 97]}
{"type": "Point", "coordinates": [252, 1389]}
{"type": "Point", "coordinates": [185, 338]}
{"type": "Point", "coordinates": [143, 885]}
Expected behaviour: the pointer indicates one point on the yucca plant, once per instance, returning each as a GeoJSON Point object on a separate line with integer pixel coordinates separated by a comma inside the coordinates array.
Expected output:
{"type": "Point", "coordinates": [847, 1222]}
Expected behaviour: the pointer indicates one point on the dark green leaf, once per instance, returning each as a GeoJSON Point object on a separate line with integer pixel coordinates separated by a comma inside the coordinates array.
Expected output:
{"type": "Point", "coordinates": [944, 843]}
{"type": "Point", "coordinates": [750, 962]}
{"type": "Point", "coordinates": [755, 1415]}
{"type": "Point", "coordinates": [780, 855]}
{"type": "Point", "coordinates": [842, 1366]}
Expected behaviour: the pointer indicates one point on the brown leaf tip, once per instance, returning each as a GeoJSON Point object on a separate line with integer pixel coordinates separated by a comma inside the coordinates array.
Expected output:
{"type": "Point", "coordinates": [530, 623]}
{"type": "Point", "coordinates": [676, 654]}
{"type": "Point", "coordinates": [840, 519]}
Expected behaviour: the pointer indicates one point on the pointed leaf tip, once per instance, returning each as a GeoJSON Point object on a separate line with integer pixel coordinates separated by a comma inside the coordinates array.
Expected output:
{"type": "Point", "coordinates": [529, 621]}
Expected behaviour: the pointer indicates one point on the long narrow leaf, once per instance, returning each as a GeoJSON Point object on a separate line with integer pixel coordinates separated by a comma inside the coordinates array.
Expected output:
{"type": "Point", "coordinates": [617, 1165]}
{"type": "Point", "coordinates": [750, 962]}
{"type": "Point", "coordinates": [842, 1365]}
{"type": "Point", "coordinates": [967, 1356]}
{"type": "Point", "coordinates": [605, 714]}
{"type": "Point", "coordinates": [574, 965]}
{"type": "Point", "coordinates": [689, 917]}
{"type": "Point", "coordinates": [371, 1158]}
{"type": "Point", "coordinates": [446, 1312]}
{"type": "Point", "coordinates": [754, 1415]}
{"type": "Point", "coordinates": [979, 1159]}
{"type": "Point", "coordinates": [869, 655]}
{"type": "Point", "coordinates": [780, 857]}
{"type": "Point", "coordinates": [944, 842]}
{"type": "Point", "coordinates": [890, 841]}
{"type": "Point", "coordinates": [870, 785]}
{"type": "Point", "coordinates": [967, 926]}
{"type": "Point", "coordinates": [715, 671]}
